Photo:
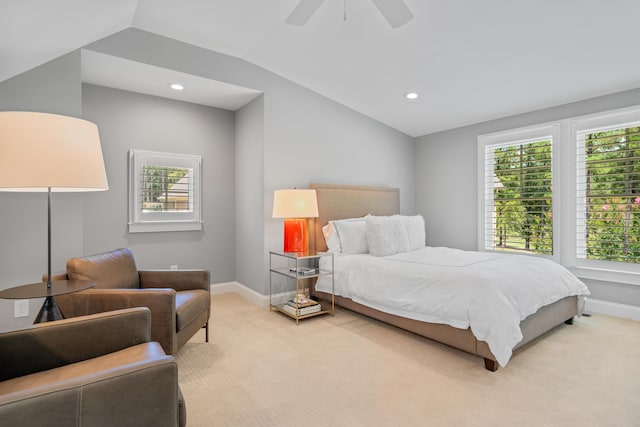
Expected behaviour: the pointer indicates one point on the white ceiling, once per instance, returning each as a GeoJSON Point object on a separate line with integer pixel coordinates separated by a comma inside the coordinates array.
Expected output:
{"type": "Point", "coordinates": [469, 60]}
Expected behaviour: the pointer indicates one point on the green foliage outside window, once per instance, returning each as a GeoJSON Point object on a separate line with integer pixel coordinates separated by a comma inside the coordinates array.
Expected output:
{"type": "Point", "coordinates": [162, 189]}
{"type": "Point", "coordinates": [612, 182]}
{"type": "Point", "coordinates": [522, 197]}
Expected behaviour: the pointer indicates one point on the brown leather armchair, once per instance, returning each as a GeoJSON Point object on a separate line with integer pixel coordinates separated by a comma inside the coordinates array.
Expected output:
{"type": "Point", "coordinates": [179, 300]}
{"type": "Point", "coordinates": [98, 370]}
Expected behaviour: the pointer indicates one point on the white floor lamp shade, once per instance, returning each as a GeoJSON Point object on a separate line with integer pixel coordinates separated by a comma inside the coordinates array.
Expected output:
{"type": "Point", "coordinates": [41, 152]}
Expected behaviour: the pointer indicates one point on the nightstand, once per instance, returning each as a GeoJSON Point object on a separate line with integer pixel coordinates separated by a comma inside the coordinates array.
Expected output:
{"type": "Point", "coordinates": [302, 268]}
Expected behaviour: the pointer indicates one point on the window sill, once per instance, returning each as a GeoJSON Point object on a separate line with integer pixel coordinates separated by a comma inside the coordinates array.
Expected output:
{"type": "Point", "coordinates": [163, 226]}
{"type": "Point", "coordinates": [606, 275]}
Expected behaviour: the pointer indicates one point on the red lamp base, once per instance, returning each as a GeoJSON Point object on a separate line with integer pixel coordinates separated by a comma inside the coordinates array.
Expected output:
{"type": "Point", "coordinates": [295, 235]}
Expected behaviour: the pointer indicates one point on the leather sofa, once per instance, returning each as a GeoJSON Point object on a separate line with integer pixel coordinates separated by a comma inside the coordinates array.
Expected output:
{"type": "Point", "coordinates": [179, 300]}
{"type": "Point", "coordinates": [91, 371]}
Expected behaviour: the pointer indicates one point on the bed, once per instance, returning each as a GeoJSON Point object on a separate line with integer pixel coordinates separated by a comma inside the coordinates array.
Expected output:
{"type": "Point", "coordinates": [337, 202]}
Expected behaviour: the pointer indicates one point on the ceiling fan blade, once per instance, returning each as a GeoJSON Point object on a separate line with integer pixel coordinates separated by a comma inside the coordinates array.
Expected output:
{"type": "Point", "coordinates": [303, 12]}
{"type": "Point", "coordinates": [395, 11]}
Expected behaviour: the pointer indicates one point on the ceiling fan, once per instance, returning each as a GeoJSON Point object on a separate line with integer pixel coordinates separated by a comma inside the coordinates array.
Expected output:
{"type": "Point", "coordinates": [395, 12]}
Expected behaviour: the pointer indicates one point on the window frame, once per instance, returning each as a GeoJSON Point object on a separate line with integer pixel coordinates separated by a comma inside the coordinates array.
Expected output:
{"type": "Point", "coordinates": [589, 268]}
{"type": "Point", "coordinates": [145, 222]}
{"type": "Point", "coordinates": [514, 137]}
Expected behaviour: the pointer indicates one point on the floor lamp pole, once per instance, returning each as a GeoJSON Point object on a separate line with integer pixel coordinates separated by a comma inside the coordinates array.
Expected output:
{"type": "Point", "coordinates": [49, 238]}
{"type": "Point", "coordinates": [49, 310]}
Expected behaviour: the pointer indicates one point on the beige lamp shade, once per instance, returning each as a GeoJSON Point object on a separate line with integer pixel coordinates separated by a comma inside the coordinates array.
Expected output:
{"type": "Point", "coordinates": [295, 204]}
{"type": "Point", "coordinates": [40, 151]}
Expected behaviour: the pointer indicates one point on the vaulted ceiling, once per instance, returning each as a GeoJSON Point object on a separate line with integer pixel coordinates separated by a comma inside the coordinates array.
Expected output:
{"type": "Point", "coordinates": [468, 60]}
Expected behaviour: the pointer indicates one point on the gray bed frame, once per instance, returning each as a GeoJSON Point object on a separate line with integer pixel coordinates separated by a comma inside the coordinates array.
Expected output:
{"type": "Point", "coordinates": [345, 201]}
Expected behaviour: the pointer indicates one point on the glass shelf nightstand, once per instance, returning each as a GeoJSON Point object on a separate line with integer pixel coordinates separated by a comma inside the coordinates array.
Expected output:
{"type": "Point", "coordinates": [303, 268]}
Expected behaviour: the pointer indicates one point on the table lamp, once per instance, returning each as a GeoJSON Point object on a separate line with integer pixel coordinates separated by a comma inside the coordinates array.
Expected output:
{"type": "Point", "coordinates": [295, 206]}
{"type": "Point", "coordinates": [42, 152]}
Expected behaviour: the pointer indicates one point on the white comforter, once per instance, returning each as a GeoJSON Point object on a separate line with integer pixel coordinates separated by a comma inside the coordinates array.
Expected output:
{"type": "Point", "coordinates": [488, 292]}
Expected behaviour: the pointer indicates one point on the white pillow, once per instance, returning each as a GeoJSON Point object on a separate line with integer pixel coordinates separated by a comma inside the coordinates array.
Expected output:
{"type": "Point", "coordinates": [331, 237]}
{"type": "Point", "coordinates": [352, 234]}
{"type": "Point", "coordinates": [386, 235]}
{"type": "Point", "coordinates": [415, 231]}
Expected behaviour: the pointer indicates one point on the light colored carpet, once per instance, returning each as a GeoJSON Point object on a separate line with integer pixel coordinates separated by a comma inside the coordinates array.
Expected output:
{"type": "Point", "coordinates": [260, 369]}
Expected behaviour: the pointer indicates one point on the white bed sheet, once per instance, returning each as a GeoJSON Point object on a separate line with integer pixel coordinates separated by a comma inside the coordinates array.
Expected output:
{"type": "Point", "coordinates": [487, 292]}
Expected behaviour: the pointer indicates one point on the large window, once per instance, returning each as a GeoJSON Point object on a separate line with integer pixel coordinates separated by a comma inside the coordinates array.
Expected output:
{"type": "Point", "coordinates": [608, 193]}
{"type": "Point", "coordinates": [569, 190]}
{"type": "Point", "coordinates": [517, 185]}
{"type": "Point", "coordinates": [164, 192]}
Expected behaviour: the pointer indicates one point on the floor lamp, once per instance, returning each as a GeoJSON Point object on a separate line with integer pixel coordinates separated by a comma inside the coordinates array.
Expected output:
{"type": "Point", "coordinates": [42, 152]}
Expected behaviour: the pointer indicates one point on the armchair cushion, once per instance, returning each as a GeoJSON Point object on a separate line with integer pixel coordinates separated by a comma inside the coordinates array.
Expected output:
{"type": "Point", "coordinates": [110, 270]}
{"type": "Point", "coordinates": [189, 305]}
{"type": "Point", "coordinates": [72, 375]}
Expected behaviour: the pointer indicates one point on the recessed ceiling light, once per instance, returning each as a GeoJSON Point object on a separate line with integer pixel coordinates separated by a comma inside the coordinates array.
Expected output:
{"type": "Point", "coordinates": [411, 95]}
{"type": "Point", "coordinates": [176, 86]}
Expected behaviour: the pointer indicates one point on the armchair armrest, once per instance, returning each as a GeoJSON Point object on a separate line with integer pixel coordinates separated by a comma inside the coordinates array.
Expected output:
{"type": "Point", "coordinates": [54, 344]}
{"type": "Point", "coordinates": [180, 280]}
{"type": "Point", "coordinates": [161, 303]}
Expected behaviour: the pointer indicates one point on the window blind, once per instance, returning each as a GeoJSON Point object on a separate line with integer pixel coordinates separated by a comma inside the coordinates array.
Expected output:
{"type": "Point", "coordinates": [166, 189]}
{"type": "Point", "coordinates": [518, 196]}
{"type": "Point", "coordinates": [608, 194]}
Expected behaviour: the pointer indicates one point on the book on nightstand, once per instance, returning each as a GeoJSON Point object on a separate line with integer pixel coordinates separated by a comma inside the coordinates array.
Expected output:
{"type": "Point", "coordinates": [307, 303]}
{"type": "Point", "coordinates": [290, 308]}
{"type": "Point", "coordinates": [303, 271]}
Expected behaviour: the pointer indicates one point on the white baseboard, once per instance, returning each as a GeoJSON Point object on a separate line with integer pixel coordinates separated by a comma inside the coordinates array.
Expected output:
{"type": "Point", "coordinates": [223, 288]}
{"type": "Point", "coordinates": [612, 309]}
{"type": "Point", "coordinates": [592, 305]}
{"type": "Point", "coordinates": [257, 298]}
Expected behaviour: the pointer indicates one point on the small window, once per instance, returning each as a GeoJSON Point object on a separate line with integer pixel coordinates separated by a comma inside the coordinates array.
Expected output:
{"type": "Point", "coordinates": [164, 192]}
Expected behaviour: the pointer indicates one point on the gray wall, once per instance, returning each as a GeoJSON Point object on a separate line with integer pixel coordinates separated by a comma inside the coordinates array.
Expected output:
{"type": "Point", "coordinates": [54, 88]}
{"type": "Point", "coordinates": [307, 137]}
{"type": "Point", "coordinates": [129, 120]}
{"type": "Point", "coordinates": [446, 173]}
{"type": "Point", "coordinates": [249, 189]}
{"type": "Point", "coordinates": [312, 139]}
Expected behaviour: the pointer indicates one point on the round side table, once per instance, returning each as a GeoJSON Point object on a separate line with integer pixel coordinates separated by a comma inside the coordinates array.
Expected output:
{"type": "Point", "coordinates": [49, 310]}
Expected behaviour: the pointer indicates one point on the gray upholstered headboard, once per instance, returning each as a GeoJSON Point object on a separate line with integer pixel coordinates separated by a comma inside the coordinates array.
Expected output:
{"type": "Point", "coordinates": [350, 201]}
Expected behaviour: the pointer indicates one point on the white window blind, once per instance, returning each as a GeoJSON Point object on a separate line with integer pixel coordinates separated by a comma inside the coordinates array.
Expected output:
{"type": "Point", "coordinates": [608, 193]}
{"type": "Point", "coordinates": [518, 204]}
{"type": "Point", "coordinates": [166, 189]}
